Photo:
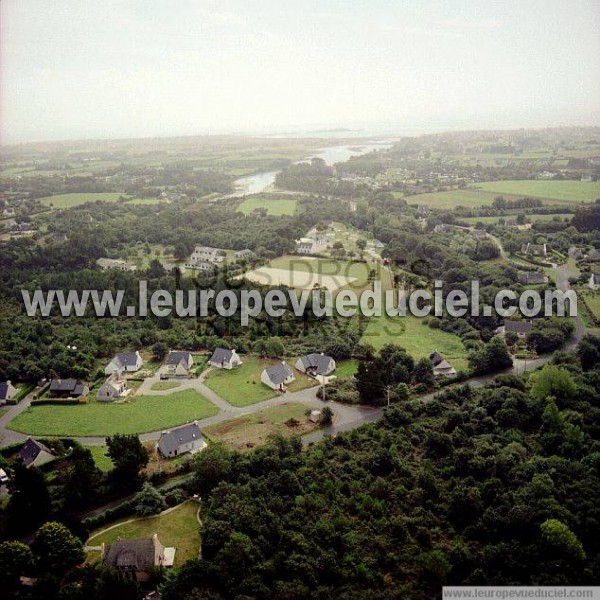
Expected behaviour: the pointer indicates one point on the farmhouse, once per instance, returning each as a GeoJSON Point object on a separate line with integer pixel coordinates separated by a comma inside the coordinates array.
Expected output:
{"type": "Point", "coordinates": [187, 438]}
{"type": "Point", "coordinates": [315, 364]}
{"type": "Point", "coordinates": [114, 263]}
{"type": "Point", "coordinates": [124, 361]}
{"type": "Point", "coordinates": [7, 391]}
{"type": "Point", "coordinates": [594, 284]}
{"type": "Point", "coordinates": [114, 387]}
{"type": "Point", "coordinates": [535, 278]}
{"type": "Point", "coordinates": [534, 249]}
{"type": "Point", "coordinates": [222, 358]}
{"type": "Point", "coordinates": [441, 367]}
{"type": "Point", "coordinates": [138, 558]}
{"type": "Point", "coordinates": [35, 454]}
{"type": "Point", "coordinates": [205, 253]}
{"type": "Point", "coordinates": [521, 328]}
{"type": "Point", "coordinates": [313, 243]}
{"type": "Point", "coordinates": [177, 364]}
{"type": "Point", "coordinates": [67, 388]}
{"type": "Point", "coordinates": [277, 376]}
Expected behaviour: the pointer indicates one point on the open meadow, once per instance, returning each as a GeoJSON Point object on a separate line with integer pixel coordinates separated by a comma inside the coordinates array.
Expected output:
{"type": "Point", "coordinates": [560, 192]}
{"type": "Point", "coordinates": [276, 206]}
{"type": "Point", "coordinates": [418, 339]}
{"type": "Point", "coordinates": [138, 415]}
{"type": "Point", "coordinates": [65, 201]}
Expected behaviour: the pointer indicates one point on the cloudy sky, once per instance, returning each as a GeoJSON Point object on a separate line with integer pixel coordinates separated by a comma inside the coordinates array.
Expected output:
{"type": "Point", "coordinates": [124, 68]}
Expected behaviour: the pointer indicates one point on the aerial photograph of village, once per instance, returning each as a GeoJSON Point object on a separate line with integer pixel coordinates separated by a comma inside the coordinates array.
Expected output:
{"type": "Point", "coordinates": [211, 216]}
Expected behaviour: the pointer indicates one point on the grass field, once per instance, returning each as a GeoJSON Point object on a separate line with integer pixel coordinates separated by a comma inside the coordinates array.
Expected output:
{"type": "Point", "coordinates": [161, 386]}
{"type": "Point", "coordinates": [418, 339]}
{"type": "Point", "coordinates": [275, 206]}
{"type": "Point", "coordinates": [592, 301]}
{"type": "Point", "coordinates": [139, 415]}
{"type": "Point", "coordinates": [242, 386]}
{"type": "Point", "coordinates": [71, 200]}
{"type": "Point", "coordinates": [178, 528]}
{"type": "Point", "coordinates": [469, 198]}
{"type": "Point", "coordinates": [103, 462]}
{"type": "Point", "coordinates": [3, 411]}
{"type": "Point", "coordinates": [346, 368]}
{"type": "Point", "coordinates": [145, 201]}
{"type": "Point", "coordinates": [532, 218]}
{"type": "Point", "coordinates": [253, 429]}
{"type": "Point", "coordinates": [563, 191]}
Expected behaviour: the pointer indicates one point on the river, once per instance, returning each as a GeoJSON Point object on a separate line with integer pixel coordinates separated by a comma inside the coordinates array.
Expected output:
{"type": "Point", "coordinates": [254, 184]}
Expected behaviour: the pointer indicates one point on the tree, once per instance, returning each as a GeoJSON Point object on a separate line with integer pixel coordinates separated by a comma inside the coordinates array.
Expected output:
{"type": "Point", "coordinates": [552, 380]}
{"type": "Point", "coordinates": [211, 466]}
{"type": "Point", "coordinates": [16, 559]}
{"type": "Point", "coordinates": [29, 504]}
{"type": "Point", "coordinates": [588, 351]}
{"type": "Point", "coordinates": [128, 456]}
{"type": "Point", "coordinates": [82, 478]}
{"type": "Point", "coordinates": [423, 372]}
{"type": "Point", "coordinates": [159, 351]}
{"type": "Point", "coordinates": [511, 338]}
{"type": "Point", "coordinates": [56, 549]}
{"type": "Point", "coordinates": [148, 501]}
{"type": "Point", "coordinates": [561, 539]}
{"type": "Point", "coordinates": [326, 416]}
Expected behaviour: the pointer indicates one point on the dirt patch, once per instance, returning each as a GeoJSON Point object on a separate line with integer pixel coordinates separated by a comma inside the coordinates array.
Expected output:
{"type": "Point", "coordinates": [227, 426]}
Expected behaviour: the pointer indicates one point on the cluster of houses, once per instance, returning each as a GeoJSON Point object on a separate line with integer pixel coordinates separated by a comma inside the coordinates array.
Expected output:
{"type": "Point", "coordinates": [115, 263]}
{"type": "Point", "coordinates": [313, 242]}
{"type": "Point", "coordinates": [205, 258]}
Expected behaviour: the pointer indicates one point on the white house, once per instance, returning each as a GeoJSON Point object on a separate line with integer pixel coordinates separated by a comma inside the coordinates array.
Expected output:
{"type": "Point", "coordinates": [222, 358]}
{"type": "Point", "coordinates": [113, 388]}
{"type": "Point", "coordinates": [277, 376]}
{"type": "Point", "coordinates": [114, 263]}
{"type": "Point", "coordinates": [129, 362]}
{"type": "Point", "coordinates": [177, 364]}
{"type": "Point", "coordinates": [441, 367]}
{"type": "Point", "coordinates": [205, 253]}
{"type": "Point", "coordinates": [187, 438]}
{"type": "Point", "coordinates": [315, 364]}
{"type": "Point", "coordinates": [594, 281]}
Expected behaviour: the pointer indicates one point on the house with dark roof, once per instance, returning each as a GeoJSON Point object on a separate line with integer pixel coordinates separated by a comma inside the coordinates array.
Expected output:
{"type": "Point", "coordinates": [68, 388]}
{"type": "Point", "coordinates": [521, 328]}
{"type": "Point", "coordinates": [177, 364]}
{"type": "Point", "coordinates": [315, 364]}
{"type": "Point", "coordinates": [441, 367]}
{"type": "Point", "coordinates": [532, 278]}
{"type": "Point", "coordinates": [129, 362]}
{"type": "Point", "coordinates": [137, 558]}
{"type": "Point", "coordinates": [181, 440]}
{"type": "Point", "coordinates": [223, 358]}
{"type": "Point", "coordinates": [278, 376]}
{"type": "Point", "coordinates": [7, 391]}
{"type": "Point", "coordinates": [35, 454]}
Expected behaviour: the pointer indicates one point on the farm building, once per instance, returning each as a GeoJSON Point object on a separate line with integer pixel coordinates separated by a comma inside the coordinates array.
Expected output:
{"type": "Point", "coordinates": [114, 263]}
{"type": "Point", "coordinates": [535, 278]}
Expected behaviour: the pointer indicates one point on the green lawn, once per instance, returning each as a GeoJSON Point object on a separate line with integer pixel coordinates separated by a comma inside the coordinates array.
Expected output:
{"type": "Point", "coordinates": [565, 191]}
{"type": "Point", "coordinates": [103, 462]}
{"type": "Point", "coordinates": [242, 386]}
{"type": "Point", "coordinates": [469, 198]}
{"type": "Point", "coordinates": [418, 339]}
{"type": "Point", "coordinates": [275, 206]}
{"type": "Point", "coordinates": [3, 411]}
{"type": "Point", "coordinates": [71, 200]}
{"type": "Point", "coordinates": [160, 386]}
{"type": "Point", "coordinates": [592, 300]}
{"type": "Point", "coordinates": [178, 528]}
{"type": "Point", "coordinates": [346, 368]}
{"type": "Point", "coordinates": [139, 415]}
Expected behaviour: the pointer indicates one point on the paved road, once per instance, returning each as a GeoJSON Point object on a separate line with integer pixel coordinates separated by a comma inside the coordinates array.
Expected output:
{"type": "Point", "coordinates": [346, 416]}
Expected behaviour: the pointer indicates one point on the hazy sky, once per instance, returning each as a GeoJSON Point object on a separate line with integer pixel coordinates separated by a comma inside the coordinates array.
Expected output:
{"type": "Point", "coordinates": [121, 68]}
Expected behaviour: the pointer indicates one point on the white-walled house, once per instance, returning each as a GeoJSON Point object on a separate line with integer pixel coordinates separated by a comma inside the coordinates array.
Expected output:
{"type": "Point", "coordinates": [315, 364]}
{"type": "Point", "coordinates": [187, 438]}
{"type": "Point", "coordinates": [277, 376]}
{"type": "Point", "coordinates": [130, 362]}
{"type": "Point", "coordinates": [223, 358]}
{"type": "Point", "coordinates": [177, 364]}
{"type": "Point", "coordinates": [7, 391]}
{"type": "Point", "coordinates": [112, 389]}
